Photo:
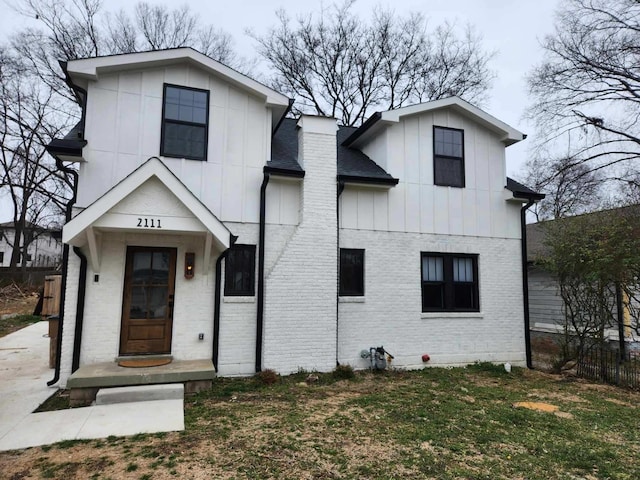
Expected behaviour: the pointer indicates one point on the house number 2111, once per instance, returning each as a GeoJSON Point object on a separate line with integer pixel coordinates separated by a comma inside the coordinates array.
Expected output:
{"type": "Point", "coordinates": [148, 222]}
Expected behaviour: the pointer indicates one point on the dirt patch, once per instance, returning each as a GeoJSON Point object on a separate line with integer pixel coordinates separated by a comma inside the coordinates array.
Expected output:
{"type": "Point", "coordinates": [563, 414]}
{"type": "Point", "coordinates": [543, 407]}
{"type": "Point", "coordinates": [598, 387]}
{"type": "Point", "coordinates": [15, 299]}
{"type": "Point", "coordinates": [621, 402]}
{"type": "Point", "coordinates": [558, 396]}
{"type": "Point", "coordinates": [538, 406]}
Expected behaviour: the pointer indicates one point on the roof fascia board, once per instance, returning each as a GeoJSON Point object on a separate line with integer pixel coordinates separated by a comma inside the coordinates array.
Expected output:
{"type": "Point", "coordinates": [152, 167]}
{"type": "Point", "coordinates": [90, 68]}
{"type": "Point", "coordinates": [368, 181]}
{"type": "Point", "coordinates": [509, 135]}
{"type": "Point", "coordinates": [522, 197]}
{"type": "Point", "coordinates": [283, 172]}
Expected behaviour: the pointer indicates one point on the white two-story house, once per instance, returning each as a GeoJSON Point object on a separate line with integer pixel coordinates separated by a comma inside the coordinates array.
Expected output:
{"type": "Point", "coordinates": [210, 229]}
{"type": "Point", "coordinates": [44, 247]}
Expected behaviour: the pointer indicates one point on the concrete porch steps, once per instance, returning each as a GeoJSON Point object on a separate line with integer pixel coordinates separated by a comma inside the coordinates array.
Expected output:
{"type": "Point", "coordinates": [84, 383]}
{"type": "Point", "coordinates": [141, 393]}
{"type": "Point", "coordinates": [109, 374]}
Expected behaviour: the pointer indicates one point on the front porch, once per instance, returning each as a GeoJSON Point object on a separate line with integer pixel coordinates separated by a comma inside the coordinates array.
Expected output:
{"type": "Point", "coordinates": [84, 383]}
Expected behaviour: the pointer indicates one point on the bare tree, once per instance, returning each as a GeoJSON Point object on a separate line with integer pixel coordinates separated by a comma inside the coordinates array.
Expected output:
{"type": "Point", "coordinates": [72, 29]}
{"type": "Point", "coordinates": [571, 188]}
{"type": "Point", "coordinates": [161, 28]}
{"type": "Point", "coordinates": [30, 116]}
{"type": "Point", "coordinates": [589, 83]}
{"type": "Point", "coordinates": [339, 65]}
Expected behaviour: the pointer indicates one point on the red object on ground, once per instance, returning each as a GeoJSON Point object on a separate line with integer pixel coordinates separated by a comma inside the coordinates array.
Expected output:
{"type": "Point", "coordinates": [426, 357]}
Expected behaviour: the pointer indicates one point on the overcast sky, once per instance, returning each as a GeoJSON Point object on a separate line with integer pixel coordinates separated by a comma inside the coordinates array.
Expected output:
{"type": "Point", "coordinates": [512, 28]}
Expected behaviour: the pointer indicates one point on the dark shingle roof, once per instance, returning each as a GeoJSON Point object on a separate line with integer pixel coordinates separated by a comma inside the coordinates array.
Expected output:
{"type": "Point", "coordinates": [521, 191]}
{"type": "Point", "coordinates": [353, 165]}
{"type": "Point", "coordinates": [71, 144]}
{"type": "Point", "coordinates": [284, 150]}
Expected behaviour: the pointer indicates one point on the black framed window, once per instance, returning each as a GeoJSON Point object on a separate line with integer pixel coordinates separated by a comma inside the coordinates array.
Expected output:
{"type": "Point", "coordinates": [240, 267]}
{"type": "Point", "coordinates": [1, 257]}
{"type": "Point", "coordinates": [448, 157]}
{"type": "Point", "coordinates": [351, 272]}
{"type": "Point", "coordinates": [450, 282]}
{"type": "Point", "coordinates": [185, 120]}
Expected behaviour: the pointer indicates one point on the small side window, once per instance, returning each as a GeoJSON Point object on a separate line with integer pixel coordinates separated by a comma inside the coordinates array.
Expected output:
{"type": "Point", "coordinates": [240, 266]}
{"type": "Point", "coordinates": [351, 272]}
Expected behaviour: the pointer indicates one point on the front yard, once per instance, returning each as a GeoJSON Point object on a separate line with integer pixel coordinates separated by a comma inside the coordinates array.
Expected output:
{"type": "Point", "coordinates": [435, 423]}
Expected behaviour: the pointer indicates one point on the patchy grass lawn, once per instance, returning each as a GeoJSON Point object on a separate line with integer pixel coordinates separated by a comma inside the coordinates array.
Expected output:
{"type": "Point", "coordinates": [433, 424]}
{"type": "Point", "coordinates": [12, 324]}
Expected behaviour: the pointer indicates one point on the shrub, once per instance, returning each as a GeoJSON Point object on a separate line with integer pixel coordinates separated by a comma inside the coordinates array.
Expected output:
{"type": "Point", "coordinates": [267, 377]}
{"type": "Point", "coordinates": [343, 372]}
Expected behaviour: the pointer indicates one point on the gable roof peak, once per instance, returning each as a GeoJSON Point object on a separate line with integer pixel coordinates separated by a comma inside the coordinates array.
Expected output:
{"type": "Point", "coordinates": [379, 120]}
{"type": "Point", "coordinates": [91, 68]}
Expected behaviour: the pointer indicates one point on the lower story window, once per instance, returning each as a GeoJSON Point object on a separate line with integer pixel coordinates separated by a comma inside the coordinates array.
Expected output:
{"type": "Point", "coordinates": [351, 272]}
{"type": "Point", "coordinates": [240, 266]}
{"type": "Point", "coordinates": [449, 282]}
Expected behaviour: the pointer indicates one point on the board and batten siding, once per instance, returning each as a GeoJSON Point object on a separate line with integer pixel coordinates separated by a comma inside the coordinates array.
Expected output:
{"type": "Point", "coordinates": [416, 205]}
{"type": "Point", "coordinates": [123, 128]}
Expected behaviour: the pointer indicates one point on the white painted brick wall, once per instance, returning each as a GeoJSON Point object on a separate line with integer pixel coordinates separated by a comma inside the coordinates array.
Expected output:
{"type": "Point", "coordinates": [300, 290]}
{"type": "Point", "coordinates": [70, 302]}
{"type": "Point", "coordinates": [193, 306]}
{"type": "Point", "coordinates": [238, 314]}
{"type": "Point", "coordinates": [238, 318]}
{"type": "Point", "coordinates": [391, 312]}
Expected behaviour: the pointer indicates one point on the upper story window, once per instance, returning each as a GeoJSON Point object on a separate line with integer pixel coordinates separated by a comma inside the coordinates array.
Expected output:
{"type": "Point", "coordinates": [450, 283]}
{"type": "Point", "coordinates": [448, 157]}
{"type": "Point", "coordinates": [351, 272]}
{"type": "Point", "coordinates": [185, 122]}
{"type": "Point", "coordinates": [240, 271]}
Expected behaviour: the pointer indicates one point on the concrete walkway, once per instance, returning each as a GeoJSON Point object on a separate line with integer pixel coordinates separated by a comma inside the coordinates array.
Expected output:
{"type": "Point", "coordinates": [24, 372]}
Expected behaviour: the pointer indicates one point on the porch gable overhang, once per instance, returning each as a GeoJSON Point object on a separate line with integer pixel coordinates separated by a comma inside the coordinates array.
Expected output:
{"type": "Point", "coordinates": [84, 228]}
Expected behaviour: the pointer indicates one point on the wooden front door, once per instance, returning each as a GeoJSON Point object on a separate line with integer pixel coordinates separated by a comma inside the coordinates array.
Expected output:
{"type": "Point", "coordinates": [147, 309]}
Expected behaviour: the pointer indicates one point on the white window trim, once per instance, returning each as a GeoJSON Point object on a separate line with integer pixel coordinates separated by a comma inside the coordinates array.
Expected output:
{"type": "Point", "coordinates": [438, 315]}
{"type": "Point", "coordinates": [239, 299]}
{"type": "Point", "coordinates": [360, 299]}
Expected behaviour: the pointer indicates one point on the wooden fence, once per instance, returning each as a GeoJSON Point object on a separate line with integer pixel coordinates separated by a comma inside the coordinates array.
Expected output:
{"type": "Point", "coordinates": [34, 275]}
{"type": "Point", "coordinates": [608, 367]}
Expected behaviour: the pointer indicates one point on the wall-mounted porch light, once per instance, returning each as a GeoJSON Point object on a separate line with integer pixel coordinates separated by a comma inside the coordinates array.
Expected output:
{"type": "Point", "coordinates": [189, 264]}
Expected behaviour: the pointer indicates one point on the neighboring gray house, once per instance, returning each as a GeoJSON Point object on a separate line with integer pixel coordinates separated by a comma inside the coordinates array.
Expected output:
{"type": "Point", "coordinates": [546, 307]}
